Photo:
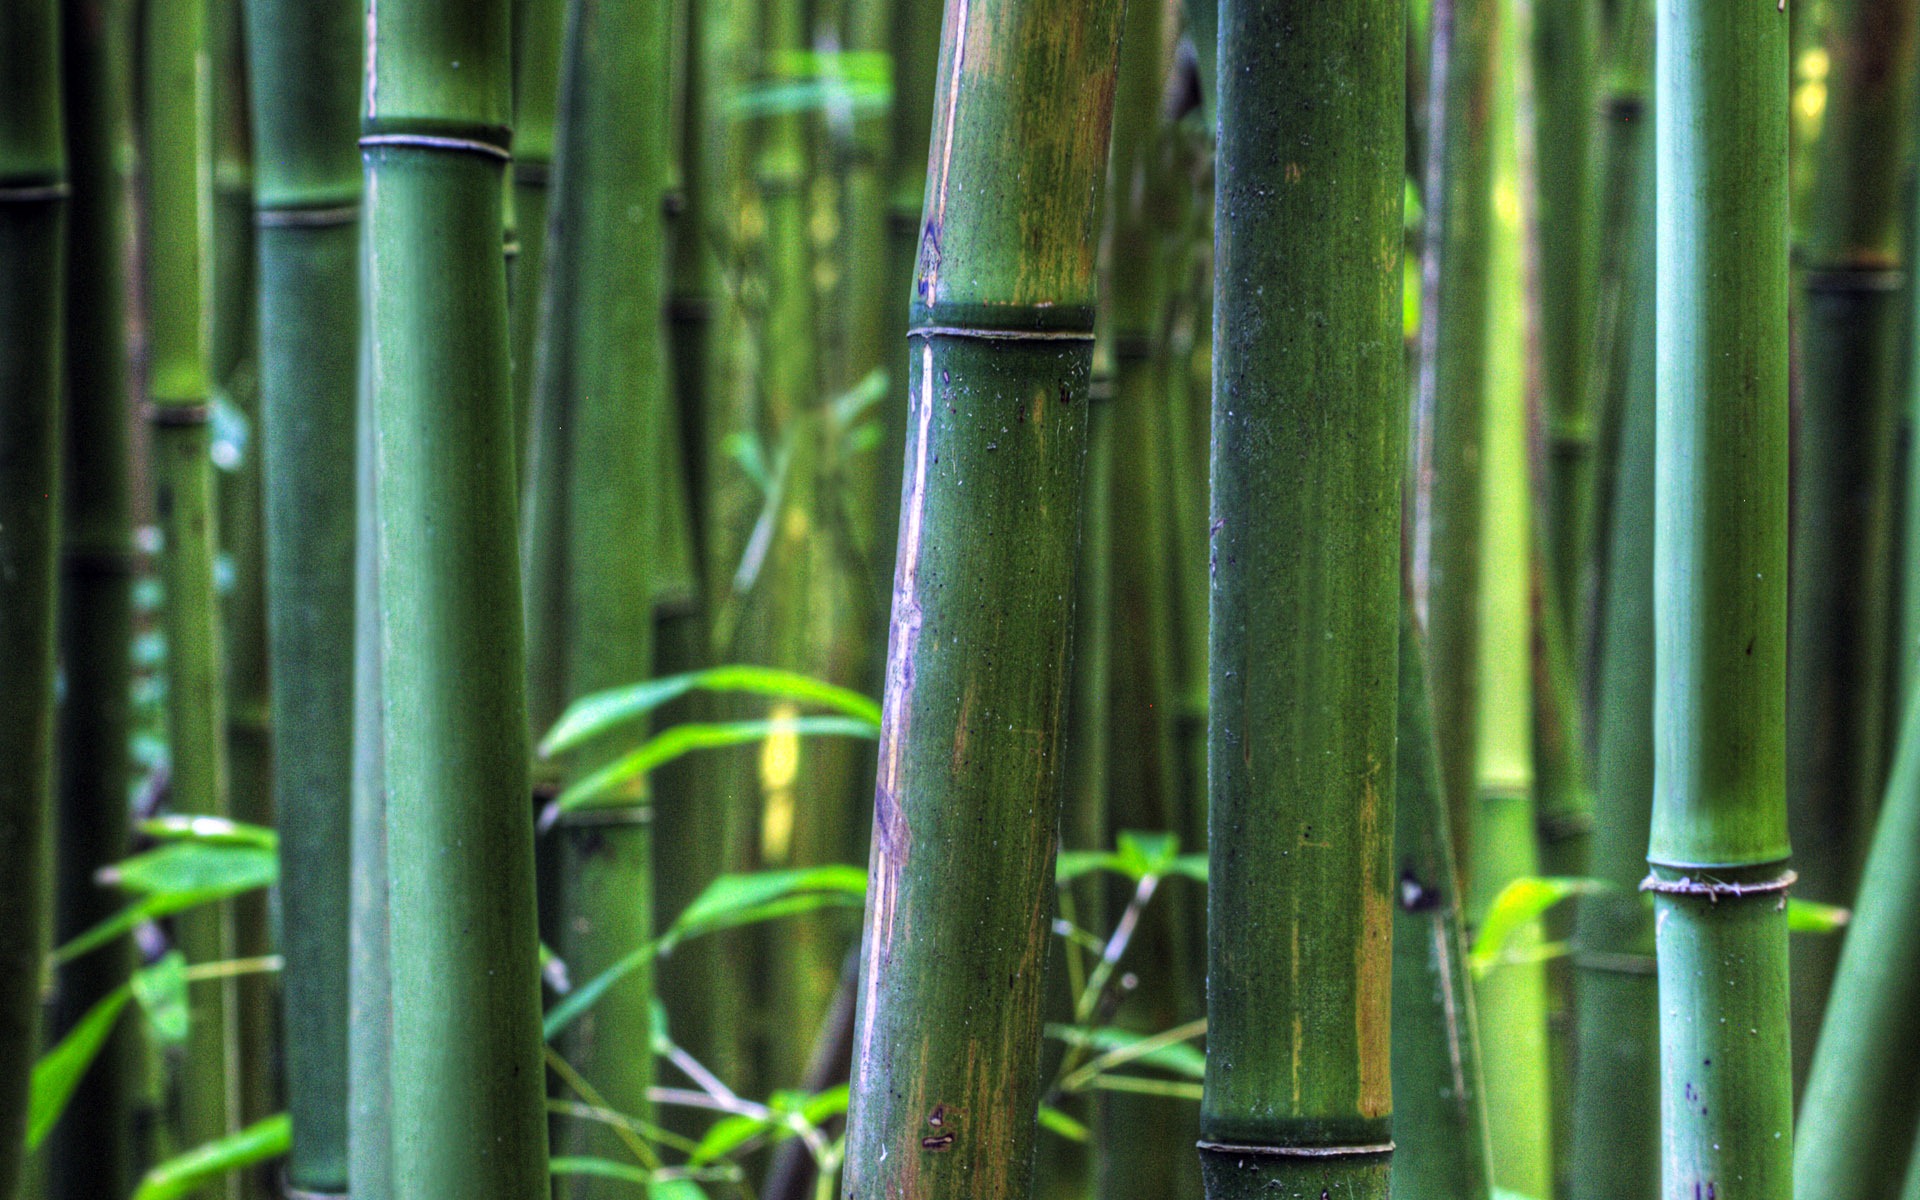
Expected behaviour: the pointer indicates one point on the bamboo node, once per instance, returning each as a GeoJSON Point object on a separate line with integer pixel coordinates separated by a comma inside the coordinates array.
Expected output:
{"type": "Point", "coordinates": [34, 193]}
{"type": "Point", "coordinates": [429, 141]}
{"type": "Point", "coordinates": [1001, 335]}
{"type": "Point", "coordinates": [1714, 889]}
{"type": "Point", "coordinates": [1232, 1149]}
{"type": "Point", "coordinates": [306, 218]}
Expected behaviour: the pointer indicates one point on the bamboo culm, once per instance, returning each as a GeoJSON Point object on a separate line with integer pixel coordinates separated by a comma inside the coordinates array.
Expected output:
{"type": "Point", "coordinates": [961, 863]}
{"type": "Point", "coordinates": [34, 191]}
{"type": "Point", "coordinates": [467, 1098]}
{"type": "Point", "coordinates": [1298, 1097]}
{"type": "Point", "coordinates": [1718, 847]}
{"type": "Point", "coordinates": [307, 196]}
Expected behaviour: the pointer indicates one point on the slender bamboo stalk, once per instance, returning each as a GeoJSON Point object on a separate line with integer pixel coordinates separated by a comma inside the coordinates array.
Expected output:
{"type": "Point", "coordinates": [537, 28]}
{"type": "Point", "coordinates": [1719, 843]}
{"type": "Point", "coordinates": [467, 1105]}
{"type": "Point", "coordinates": [608, 260]}
{"type": "Point", "coordinates": [1439, 1119]}
{"type": "Point", "coordinates": [307, 196]}
{"type": "Point", "coordinates": [1858, 1102]}
{"type": "Point", "coordinates": [1843, 488]}
{"type": "Point", "coordinates": [945, 1078]}
{"type": "Point", "coordinates": [178, 136]}
{"type": "Point", "coordinates": [91, 1150]}
{"type": "Point", "coordinates": [1452, 374]}
{"type": "Point", "coordinates": [1511, 996]}
{"type": "Point", "coordinates": [369, 984]}
{"type": "Point", "coordinates": [1303, 649]}
{"type": "Point", "coordinates": [1615, 1150]}
{"type": "Point", "coordinates": [33, 213]}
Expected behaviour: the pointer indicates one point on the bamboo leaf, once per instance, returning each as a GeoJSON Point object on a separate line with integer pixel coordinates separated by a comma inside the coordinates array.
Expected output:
{"type": "Point", "coordinates": [187, 1173]}
{"type": "Point", "coordinates": [191, 868]}
{"type": "Point", "coordinates": [808, 95]}
{"type": "Point", "coordinates": [1070, 865]}
{"type": "Point", "coordinates": [680, 740]}
{"type": "Point", "coordinates": [1143, 852]}
{"type": "Point", "coordinates": [602, 1168]}
{"type": "Point", "coordinates": [1810, 916]}
{"type": "Point", "coordinates": [59, 1072]}
{"type": "Point", "coordinates": [210, 831]}
{"type": "Point", "coordinates": [161, 990]}
{"type": "Point", "coordinates": [590, 716]}
{"type": "Point", "coordinates": [733, 1132]}
{"type": "Point", "coordinates": [733, 900]}
{"type": "Point", "coordinates": [1518, 905]}
{"type": "Point", "coordinates": [1055, 1121]}
{"type": "Point", "coordinates": [1178, 1057]}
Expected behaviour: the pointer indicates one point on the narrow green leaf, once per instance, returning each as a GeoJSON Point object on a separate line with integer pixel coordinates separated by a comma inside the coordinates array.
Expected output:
{"type": "Point", "coordinates": [1810, 916]}
{"type": "Point", "coordinates": [848, 406]}
{"type": "Point", "coordinates": [1147, 852]}
{"type": "Point", "coordinates": [868, 66]}
{"type": "Point", "coordinates": [187, 1173]}
{"type": "Point", "coordinates": [1070, 865]}
{"type": "Point", "coordinates": [191, 868]}
{"type": "Point", "coordinates": [210, 831]}
{"type": "Point", "coordinates": [60, 1071]}
{"type": "Point", "coordinates": [1192, 866]}
{"type": "Point", "coordinates": [588, 994]}
{"type": "Point", "coordinates": [678, 740]}
{"type": "Point", "coordinates": [732, 895]}
{"type": "Point", "coordinates": [808, 95]}
{"type": "Point", "coordinates": [1518, 905]}
{"type": "Point", "coordinates": [590, 716]}
{"type": "Point", "coordinates": [1055, 1121]}
{"type": "Point", "coordinates": [1180, 1058]}
{"type": "Point", "coordinates": [678, 1189]}
{"type": "Point", "coordinates": [601, 1168]}
{"type": "Point", "coordinates": [161, 990]}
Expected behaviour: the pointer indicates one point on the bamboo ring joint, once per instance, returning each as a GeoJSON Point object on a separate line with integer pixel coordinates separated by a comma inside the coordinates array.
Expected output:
{"type": "Point", "coordinates": [1368, 1150]}
{"type": "Point", "coordinates": [1715, 890]}
{"type": "Point", "coordinates": [306, 218]}
{"type": "Point", "coordinates": [428, 141]}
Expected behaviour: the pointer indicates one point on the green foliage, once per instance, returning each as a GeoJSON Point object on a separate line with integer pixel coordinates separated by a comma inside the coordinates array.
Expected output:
{"type": "Point", "coordinates": [176, 877]}
{"type": "Point", "coordinates": [187, 1173]}
{"type": "Point", "coordinates": [1137, 854]}
{"type": "Point", "coordinates": [591, 716]}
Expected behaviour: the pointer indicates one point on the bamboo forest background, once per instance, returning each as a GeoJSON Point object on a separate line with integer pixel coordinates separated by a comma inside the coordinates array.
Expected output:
{"type": "Point", "coordinates": [487, 488]}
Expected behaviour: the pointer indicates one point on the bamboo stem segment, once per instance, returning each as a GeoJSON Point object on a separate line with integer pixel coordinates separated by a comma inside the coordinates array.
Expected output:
{"type": "Point", "coordinates": [1718, 848]}
{"type": "Point", "coordinates": [468, 1113]}
{"type": "Point", "coordinates": [946, 1062]}
{"type": "Point", "coordinates": [1308, 421]}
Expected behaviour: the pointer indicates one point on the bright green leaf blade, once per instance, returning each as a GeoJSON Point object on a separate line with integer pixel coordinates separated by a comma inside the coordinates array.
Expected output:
{"type": "Point", "coordinates": [150, 909]}
{"type": "Point", "coordinates": [810, 95]}
{"type": "Point", "coordinates": [1519, 905]}
{"type": "Point", "coordinates": [1143, 852]}
{"type": "Point", "coordinates": [192, 867]}
{"type": "Point", "coordinates": [1070, 865]}
{"type": "Point", "coordinates": [600, 1168]}
{"type": "Point", "coordinates": [1055, 1121]}
{"type": "Point", "coordinates": [678, 740]}
{"type": "Point", "coordinates": [678, 1189]}
{"type": "Point", "coordinates": [1810, 916]}
{"type": "Point", "coordinates": [590, 716]}
{"type": "Point", "coordinates": [161, 990]}
{"type": "Point", "coordinates": [730, 1133]}
{"type": "Point", "coordinates": [60, 1071]}
{"type": "Point", "coordinates": [183, 1175]}
{"type": "Point", "coordinates": [210, 831]}
{"type": "Point", "coordinates": [1180, 1058]}
{"type": "Point", "coordinates": [731, 895]}
{"type": "Point", "coordinates": [588, 994]}
{"type": "Point", "coordinates": [1192, 866]}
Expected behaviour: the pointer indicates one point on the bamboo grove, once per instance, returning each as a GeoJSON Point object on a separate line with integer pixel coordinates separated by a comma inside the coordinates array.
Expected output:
{"type": "Point", "coordinates": [962, 599]}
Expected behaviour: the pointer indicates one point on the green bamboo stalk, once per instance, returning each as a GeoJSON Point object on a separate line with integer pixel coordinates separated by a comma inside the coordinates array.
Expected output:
{"type": "Point", "coordinates": [1858, 1099]}
{"type": "Point", "coordinates": [608, 259]}
{"type": "Point", "coordinates": [1308, 427]}
{"type": "Point", "coordinates": [232, 349]}
{"type": "Point", "coordinates": [467, 1105]}
{"type": "Point", "coordinates": [307, 196]}
{"type": "Point", "coordinates": [945, 1077]}
{"type": "Point", "coordinates": [178, 135]}
{"type": "Point", "coordinates": [1511, 996]}
{"type": "Point", "coordinates": [1615, 1136]}
{"type": "Point", "coordinates": [537, 29]}
{"type": "Point", "coordinates": [369, 985]}
{"type": "Point", "coordinates": [1843, 488]}
{"type": "Point", "coordinates": [1451, 380]}
{"type": "Point", "coordinates": [91, 1149]}
{"type": "Point", "coordinates": [1718, 848]}
{"type": "Point", "coordinates": [1565, 44]}
{"type": "Point", "coordinates": [1439, 1118]}
{"type": "Point", "coordinates": [33, 211]}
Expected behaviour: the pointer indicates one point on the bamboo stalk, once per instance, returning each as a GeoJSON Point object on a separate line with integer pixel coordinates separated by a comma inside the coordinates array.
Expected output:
{"type": "Point", "coordinates": [945, 1078]}
{"type": "Point", "coordinates": [467, 1104]}
{"type": "Point", "coordinates": [178, 136]}
{"type": "Point", "coordinates": [1843, 487]}
{"type": "Point", "coordinates": [1615, 1150]}
{"type": "Point", "coordinates": [91, 1150]}
{"type": "Point", "coordinates": [33, 213]}
{"type": "Point", "coordinates": [1303, 644]}
{"type": "Point", "coordinates": [1439, 1119]}
{"type": "Point", "coordinates": [1451, 382]}
{"type": "Point", "coordinates": [307, 197]}
{"type": "Point", "coordinates": [1718, 847]}
{"type": "Point", "coordinates": [537, 30]}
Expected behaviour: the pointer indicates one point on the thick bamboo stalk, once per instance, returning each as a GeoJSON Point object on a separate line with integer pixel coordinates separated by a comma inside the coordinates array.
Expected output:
{"type": "Point", "coordinates": [178, 135]}
{"type": "Point", "coordinates": [1718, 848]}
{"type": "Point", "coordinates": [945, 1078]}
{"type": "Point", "coordinates": [307, 198]}
{"type": "Point", "coordinates": [33, 214]}
{"type": "Point", "coordinates": [1858, 1099]}
{"type": "Point", "coordinates": [91, 1149]}
{"type": "Point", "coordinates": [605, 348]}
{"type": "Point", "coordinates": [467, 1105]}
{"type": "Point", "coordinates": [1451, 380]}
{"type": "Point", "coordinates": [1843, 488]}
{"type": "Point", "coordinates": [1615, 1150]}
{"type": "Point", "coordinates": [1309, 419]}
{"type": "Point", "coordinates": [1439, 1118]}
